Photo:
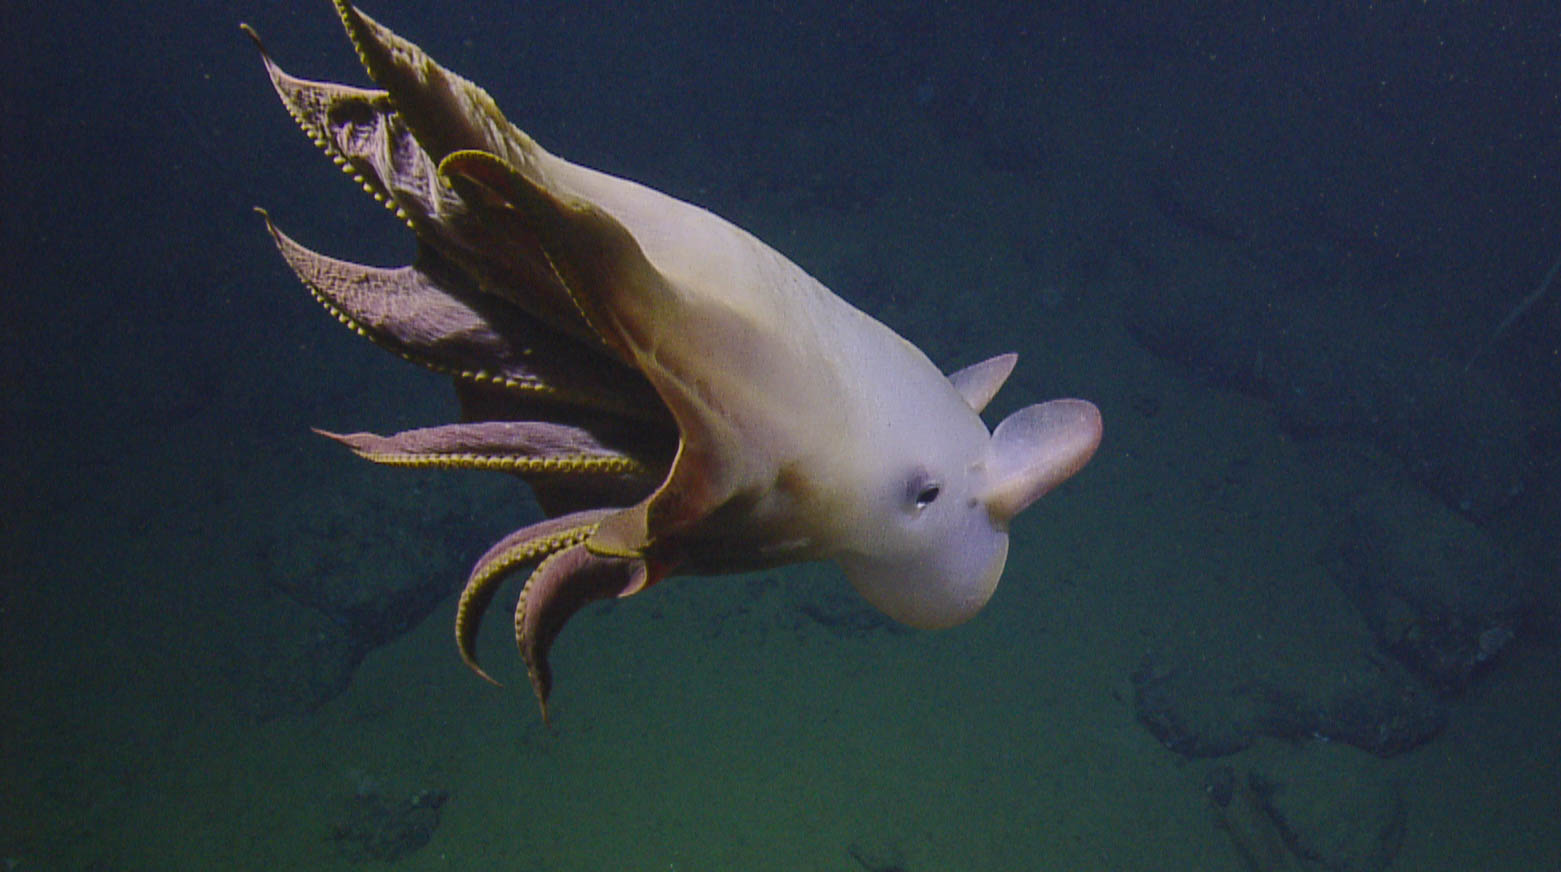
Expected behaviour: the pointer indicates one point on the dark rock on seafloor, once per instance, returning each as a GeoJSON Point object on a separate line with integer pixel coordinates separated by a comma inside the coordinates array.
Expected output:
{"type": "Point", "coordinates": [1335, 808]}
{"type": "Point", "coordinates": [1386, 715]}
{"type": "Point", "coordinates": [877, 856]}
{"type": "Point", "coordinates": [1438, 592]}
{"type": "Point", "coordinates": [1199, 707]}
{"type": "Point", "coordinates": [845, 614]}
{"type": "Point", "coordinates": [289, 659]}
{"type": "Point", "coordinates": [1336, 352]}
{"type": "Point", "coordinates": [1194, 712]}
{"type": "Point", "coordinates": [355, 567]}
{"type": "Point", "coordinates": [377, 562]}
{"type": "Point", "coordinates": [1219, 784]}
{"type": "Point", "coordinates": [1324, 807]}
{"type": "Point", "coordinates": [368, 827]}
{"type": "Point", "coordinates": [374, 579]}
{"type": "Point", "coordinates": [1441, 600]}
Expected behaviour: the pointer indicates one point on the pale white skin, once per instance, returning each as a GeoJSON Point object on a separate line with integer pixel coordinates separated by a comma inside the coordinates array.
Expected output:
{"type": "Point", "coordinates": [831, 435]}
{"type": "Point", "coordinates": [890, 469]}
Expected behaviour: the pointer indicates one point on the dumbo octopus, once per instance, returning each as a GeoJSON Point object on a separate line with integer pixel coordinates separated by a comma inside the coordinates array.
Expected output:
{"type": "Point", "coordinates": [681, 398]}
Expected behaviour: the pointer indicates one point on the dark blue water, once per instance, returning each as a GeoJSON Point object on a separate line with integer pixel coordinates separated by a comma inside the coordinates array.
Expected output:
{"type": "Point", "coordinates": [1299, 258]}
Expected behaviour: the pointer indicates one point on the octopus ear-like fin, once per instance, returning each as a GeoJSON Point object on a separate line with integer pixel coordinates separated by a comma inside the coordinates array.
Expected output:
{"type": "Point", "coordinates": [1034, 450]}
{"type": "Point", "coordinates": [978, 383]}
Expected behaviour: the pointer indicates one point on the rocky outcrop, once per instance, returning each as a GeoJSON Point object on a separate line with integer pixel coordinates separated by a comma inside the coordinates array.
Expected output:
{"type": "Point", "coordinates": [1439, 593]}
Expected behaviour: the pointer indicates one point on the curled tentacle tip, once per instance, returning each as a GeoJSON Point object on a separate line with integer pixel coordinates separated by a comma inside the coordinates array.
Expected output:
{"type": "Point", "coordinates": [486, 677]}
{"type": "Point", "coordinates": [481, 673]}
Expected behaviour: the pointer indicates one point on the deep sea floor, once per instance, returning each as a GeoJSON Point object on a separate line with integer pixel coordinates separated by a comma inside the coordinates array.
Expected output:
{"type": "Point", "coordinates": [711, 724]}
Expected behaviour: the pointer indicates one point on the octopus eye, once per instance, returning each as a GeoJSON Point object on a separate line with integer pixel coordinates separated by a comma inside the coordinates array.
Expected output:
{"type": "Point", "coordinates": [921, 489]}
{"type": "Point", "coordinates": [926, 495]}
